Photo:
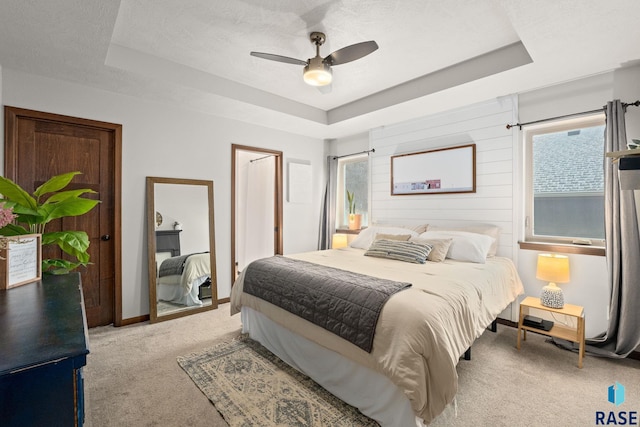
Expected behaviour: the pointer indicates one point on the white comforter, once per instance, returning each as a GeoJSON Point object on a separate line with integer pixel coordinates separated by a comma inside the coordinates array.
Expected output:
{"type": "Point", "coordinates": [422, 331]}
{"type": "Point", "coordinates": [183, 288]}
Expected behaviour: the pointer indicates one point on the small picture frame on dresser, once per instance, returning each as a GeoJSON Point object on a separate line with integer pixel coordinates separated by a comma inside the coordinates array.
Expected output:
{"type": "Point", "coordinates": [21, 260]}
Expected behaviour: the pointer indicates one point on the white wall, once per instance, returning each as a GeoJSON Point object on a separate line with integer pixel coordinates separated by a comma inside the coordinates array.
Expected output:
{"type": "Point", "coordinates": [350, 145]}
{"type": "Point", "coordinates": [163, 140]}
{"type": "Point", "coordinates": [188, 205]}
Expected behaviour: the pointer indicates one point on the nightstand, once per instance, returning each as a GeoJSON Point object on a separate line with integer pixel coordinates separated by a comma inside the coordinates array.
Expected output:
{"type": "Point", "coordinates": [559, 331]}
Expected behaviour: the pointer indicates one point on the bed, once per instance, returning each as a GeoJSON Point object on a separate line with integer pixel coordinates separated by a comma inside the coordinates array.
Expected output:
{"type": "Point", "coordinates": [180, 277]}
{"type": "Point", "coordinates": [409, 377]}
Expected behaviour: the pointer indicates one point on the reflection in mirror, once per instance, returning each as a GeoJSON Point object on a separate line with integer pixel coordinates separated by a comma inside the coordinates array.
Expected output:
{"type": "Point", "coordinates": [181, 246]}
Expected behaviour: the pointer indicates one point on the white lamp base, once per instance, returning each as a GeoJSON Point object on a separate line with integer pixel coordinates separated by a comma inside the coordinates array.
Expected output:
{"type": "Point", "coordinates": [552, 296]}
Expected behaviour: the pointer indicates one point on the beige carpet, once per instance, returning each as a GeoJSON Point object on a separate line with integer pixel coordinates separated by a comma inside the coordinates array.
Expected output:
{"type": "Point", "coordinates": [132, 378]}
{"type": "Point", "coordinates": [251, 386]}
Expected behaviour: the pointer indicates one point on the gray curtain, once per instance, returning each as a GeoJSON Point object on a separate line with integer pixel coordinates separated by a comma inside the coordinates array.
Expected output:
{"type": "Point", "coordinates": [623, 251]}
{"type": "Point", "coordinates": [328, 215]}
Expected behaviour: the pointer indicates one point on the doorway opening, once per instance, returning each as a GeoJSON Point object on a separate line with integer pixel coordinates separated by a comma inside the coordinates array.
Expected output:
{"type": "Point", "coordinates": [256, 205]}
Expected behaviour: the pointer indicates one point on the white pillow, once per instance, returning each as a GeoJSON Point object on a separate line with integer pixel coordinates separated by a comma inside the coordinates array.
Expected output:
{"type": "Point", "coordinates": [472, 247]}
{"type": "Point", "coordinates": [418, 228]}
{"type": "Point", "coordinates": [488, 229]}
{"type": "Point", "coordinates": [368, 235]}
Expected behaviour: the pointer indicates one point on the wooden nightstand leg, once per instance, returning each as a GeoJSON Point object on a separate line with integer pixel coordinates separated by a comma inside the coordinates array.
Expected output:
{"type": "Point", "coordinates": [520, 330]}
{"type": "Point", "coordinates": [581, 338]}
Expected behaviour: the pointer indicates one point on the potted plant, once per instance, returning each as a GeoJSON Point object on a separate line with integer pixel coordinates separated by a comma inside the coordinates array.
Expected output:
{"type": "Point", "coordinates": [49, 201]}
{"type": "Point", "coordinates": [354, 218]}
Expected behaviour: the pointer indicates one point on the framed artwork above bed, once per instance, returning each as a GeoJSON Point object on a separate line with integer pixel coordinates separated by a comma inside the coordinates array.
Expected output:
{"type": "Point", "coordinates": [439, 171]}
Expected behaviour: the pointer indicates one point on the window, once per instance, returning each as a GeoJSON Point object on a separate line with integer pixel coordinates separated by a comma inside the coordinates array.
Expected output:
{"type": "Point", "coordinates": [353, 176]}
{"type": "Point", "coordinates": [565, 181]}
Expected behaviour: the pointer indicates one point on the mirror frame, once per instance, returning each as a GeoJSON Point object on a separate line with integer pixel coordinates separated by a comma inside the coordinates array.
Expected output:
{"type": "Point", "coordinates": [151, 247]}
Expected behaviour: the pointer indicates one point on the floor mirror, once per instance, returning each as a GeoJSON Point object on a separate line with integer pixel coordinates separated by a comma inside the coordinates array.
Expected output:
{"type": "Point", "coordinates": [181, 247]}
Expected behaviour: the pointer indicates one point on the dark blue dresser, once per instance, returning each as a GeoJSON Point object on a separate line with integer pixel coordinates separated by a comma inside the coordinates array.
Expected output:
{"type": "Point", "coordinates": [43, 347]}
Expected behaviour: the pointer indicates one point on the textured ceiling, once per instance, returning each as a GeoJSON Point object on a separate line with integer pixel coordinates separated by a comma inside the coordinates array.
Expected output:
{"type": "Point", "coordinates": [432, 56]}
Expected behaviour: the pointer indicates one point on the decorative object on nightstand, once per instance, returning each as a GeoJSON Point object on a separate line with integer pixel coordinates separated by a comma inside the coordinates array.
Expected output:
{"type": "Point", "coordinates": [554, 269]}
{"type": "Point", "coordinates": [355, 219]}
{"type": "Point", "coordinates": [339, 241]}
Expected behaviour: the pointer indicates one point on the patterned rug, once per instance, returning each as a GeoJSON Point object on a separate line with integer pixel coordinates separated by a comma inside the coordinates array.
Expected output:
{"type": "Point", "coordinates": [250, 386]}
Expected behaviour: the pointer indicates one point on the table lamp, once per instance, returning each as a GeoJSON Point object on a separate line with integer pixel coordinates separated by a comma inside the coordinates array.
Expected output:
{"type": "Point", "coordinates": [339, 241]}
{"type": "Point", "coordinates": [553, 269]}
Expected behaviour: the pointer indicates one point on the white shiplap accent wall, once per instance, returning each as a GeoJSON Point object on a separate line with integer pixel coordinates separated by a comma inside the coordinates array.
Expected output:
{"type": "Point", "coordinates": [496, 152]}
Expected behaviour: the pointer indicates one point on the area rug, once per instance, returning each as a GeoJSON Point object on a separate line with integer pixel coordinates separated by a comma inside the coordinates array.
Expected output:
{"type": "Point", "coordinates": [249, 386]}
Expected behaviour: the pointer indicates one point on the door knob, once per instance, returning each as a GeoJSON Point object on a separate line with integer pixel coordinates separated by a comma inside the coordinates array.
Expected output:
{"type": "Point", "coordinates": [105, 237]}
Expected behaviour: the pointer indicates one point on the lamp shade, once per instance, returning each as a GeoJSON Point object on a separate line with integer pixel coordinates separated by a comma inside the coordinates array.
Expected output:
{"type": "Point", "coordinates": [553, 268]}
{"type": "Point", "coordinates": [339, 241]}
{"type": "Point", "coordinates": [317, 73]}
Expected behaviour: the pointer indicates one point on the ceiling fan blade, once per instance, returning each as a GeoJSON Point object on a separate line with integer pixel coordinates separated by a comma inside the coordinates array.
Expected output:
{"type": "Point", "coordinates": [351, 53]}
{"type": "Point", "coordinates": [279, 58]}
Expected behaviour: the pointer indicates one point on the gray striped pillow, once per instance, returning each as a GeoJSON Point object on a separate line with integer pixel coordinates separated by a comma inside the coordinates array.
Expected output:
{"type": "Point", "coordinates": [399, 250]}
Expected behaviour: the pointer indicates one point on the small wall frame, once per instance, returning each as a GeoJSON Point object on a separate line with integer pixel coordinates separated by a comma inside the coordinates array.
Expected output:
{"type": "Point", "coordinates": [21, 261]}
{"type": "Point", "coordinates": [439, 171]}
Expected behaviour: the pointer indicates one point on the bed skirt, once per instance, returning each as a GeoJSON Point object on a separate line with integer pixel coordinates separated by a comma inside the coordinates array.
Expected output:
{"type": "Point", "coordinates": [372, 393]}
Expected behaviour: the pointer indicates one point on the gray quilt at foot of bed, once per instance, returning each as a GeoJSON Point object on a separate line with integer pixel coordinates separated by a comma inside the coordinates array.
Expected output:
{"type": "Point", "coordinates": [345, 303]}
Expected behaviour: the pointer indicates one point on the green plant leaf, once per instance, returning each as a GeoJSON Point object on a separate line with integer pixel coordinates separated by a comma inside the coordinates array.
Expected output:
{"type": "Point", "coordinates": [350, 198]}
{"type": "Point", "coordinates": [13, 230]}
{"type": "Point", "coordinates": [34, 214]}
{"type": "Point", "coordinates": [68, 207]}
{"type": "Point", "coordinates": [69, 194]}
{"type": "Point", "coordinates": [55, 183]}
{"type": "Point", "coordinates": [74, 243]}
{"type": "Point", "coordinates": [59, 266]}
{"type": "Point", "coordinates": [12, 191]}
{"type": "Point", "coordinates": [18, 209]}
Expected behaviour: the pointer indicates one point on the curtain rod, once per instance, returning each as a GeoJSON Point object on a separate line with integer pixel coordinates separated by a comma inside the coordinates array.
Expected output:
{"type": "Point", "coordinates": [373, 150]}
{"type": "Point", "coordinates": [624, 105]}
{"type": "Point", "coordinates": [260, 158]}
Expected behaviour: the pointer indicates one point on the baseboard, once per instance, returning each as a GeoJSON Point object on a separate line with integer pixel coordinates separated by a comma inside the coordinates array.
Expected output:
{"type": "Point", "coordinates": [132, 320]}
{"type": "Point", "coordinates": [507, 322]}
{"type": "Point", "coordinates": [635, 355]}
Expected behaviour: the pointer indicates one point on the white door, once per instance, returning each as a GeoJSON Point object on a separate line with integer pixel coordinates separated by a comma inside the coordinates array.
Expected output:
{"type": "Point", "coordinates": [255, 210]}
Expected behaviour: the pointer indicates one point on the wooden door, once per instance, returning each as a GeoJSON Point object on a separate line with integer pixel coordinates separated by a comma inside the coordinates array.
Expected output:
{"type": "Point", "coordinates": [40, 145]}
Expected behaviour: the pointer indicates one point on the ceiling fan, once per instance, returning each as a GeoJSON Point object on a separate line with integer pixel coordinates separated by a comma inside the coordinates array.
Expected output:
{"type": "Point", "coordinates": [317, 70]}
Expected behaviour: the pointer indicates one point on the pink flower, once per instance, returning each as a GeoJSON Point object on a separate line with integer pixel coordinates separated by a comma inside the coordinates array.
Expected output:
{"type": "Point", "coordinates": [6, 216]}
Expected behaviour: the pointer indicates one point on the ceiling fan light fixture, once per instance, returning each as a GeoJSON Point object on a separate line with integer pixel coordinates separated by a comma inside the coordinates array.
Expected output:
{"type": "Point", "coordinates": [317, 70]}
{"type": "Point", "coordinates": [317, 73]}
